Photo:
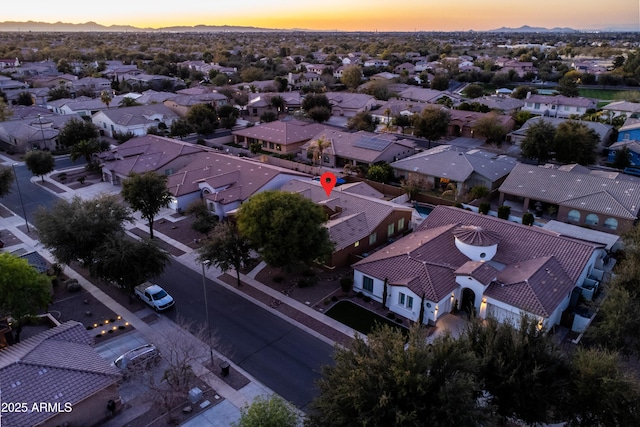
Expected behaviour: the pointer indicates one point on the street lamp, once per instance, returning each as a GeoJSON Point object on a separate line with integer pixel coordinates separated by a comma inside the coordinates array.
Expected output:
{"type": "Point", "coordinates": [206, 308]}
{"type": "Point", "coordinates": [44, 144]}
{"type": "Point", "coordinates": [24, 211]}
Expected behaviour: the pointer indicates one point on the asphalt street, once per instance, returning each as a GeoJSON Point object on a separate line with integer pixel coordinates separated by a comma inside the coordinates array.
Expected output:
{"type": "Point", "coordinates": [277, 353]}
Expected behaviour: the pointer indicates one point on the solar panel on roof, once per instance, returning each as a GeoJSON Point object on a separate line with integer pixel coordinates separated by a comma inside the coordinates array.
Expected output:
{"type": "Point", "coordinates": [372, 143]}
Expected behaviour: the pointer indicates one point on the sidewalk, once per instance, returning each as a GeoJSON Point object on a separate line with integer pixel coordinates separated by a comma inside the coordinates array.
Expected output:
{"type": "Point", "coordinates": [228, 411]}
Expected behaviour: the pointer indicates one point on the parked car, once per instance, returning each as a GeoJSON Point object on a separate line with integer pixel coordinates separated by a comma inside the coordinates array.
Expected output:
{"type": "Point", "coordinates": [139, 358]}
{"type": "Point", "coordinates": [154, 296]}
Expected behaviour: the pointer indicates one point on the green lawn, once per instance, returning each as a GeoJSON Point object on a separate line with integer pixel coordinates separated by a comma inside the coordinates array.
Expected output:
{"type": "Point", "coordinates": [359, 318]}
{"type": "Point", "coordinates": [610, 95]}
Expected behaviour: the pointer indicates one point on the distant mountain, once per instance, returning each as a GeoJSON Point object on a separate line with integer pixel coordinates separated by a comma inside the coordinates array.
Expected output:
{"type": "Point", "coordinates": [94, 27]}
{"type": "Point", "coordinates": [528, 29]}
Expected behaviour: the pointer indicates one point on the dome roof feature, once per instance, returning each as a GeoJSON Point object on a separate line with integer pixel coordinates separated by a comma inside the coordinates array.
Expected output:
{"type": "Point", "coordinates": [476, 236]}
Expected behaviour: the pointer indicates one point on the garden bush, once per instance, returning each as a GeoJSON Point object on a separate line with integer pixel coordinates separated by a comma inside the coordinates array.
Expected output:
{"type": "Point", "coordinates": [346, 283]}
{"type": "Point", "coordinates": [366, 298]}
{"type": "Point", "coordinates": [278, 279]}
{"type": "Point", "coordinates": [527, 218]}
{"type": "Point", "coordinates": [484, 208]}
{"type": "Point", "coordinates": [359, 294]}
{"type": "Point", "coordinates": [73, 285]}
{"type": "Point", "coordinates": [504, 212]}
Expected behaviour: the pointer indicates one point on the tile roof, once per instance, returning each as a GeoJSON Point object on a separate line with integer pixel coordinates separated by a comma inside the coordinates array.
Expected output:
{"type": "Point", "coordinates": [234, 178]}
{"type": "Point", "coordinates": [601, 129]}
{"type": "Point", "coordinates": [139, 114]}
{"type": "Point", "coordinates": [446, 161]}
{"type": "Point", "coordinates": [56, 366]}
{"type": "Point", "coordinates": [476, 236]}
{"type": "Point", "coordinates": [427, 260]}
{"type": "Point", "coordinates": [353, 217]}
{"type": "Point", "coordinates": [561, 100]}
{"type": "Point", "coordinates": [613, 197]}
{"type": "Point", "coordinates": [283, 132]}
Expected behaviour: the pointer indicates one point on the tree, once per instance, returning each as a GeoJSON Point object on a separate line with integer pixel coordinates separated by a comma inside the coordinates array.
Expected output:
{"type": "Point", "coordinates": [205, 220]}
{"type": "Point", "coordinates": [5, 111]}
{"type": "Point", "coordinates": [317, 148]}
{"type": "Point", "coordinates": [491, 128]}
{"type": "Point", "coordinates": [351, 76]}
{"type": "Point", "coordinates": [128, 262]}
{"type": "Point", "coordinates": [600, 393]}
{"type": "Point", "coordinates": [180, 128]}
{"type": "Point", "coordinates": [86, 149]}
{"type": "Point", "coordinates": [278, 103]}
{"type": "Point", "coordinates": [432, 123]}
{"type": "Point", "coordinates": [473, 91]}
{"type": "Point", "coordinates": [575, 142]}
{"type": "Point", "coordinates": [317, 107]}
{"type": "Point", "coordinates": [622, 158]}
{"type": "Point", "coordinates": [414, 184]}
{"type": "Point", "coordinates": [74, 230]}
{"type": "Point", "coordinates": [126, 102]}
{"type": "Point", "coordinates": [40, 162]}
{"type": "Point", "coordinates": [203, 118]}
{"type": "Point", "coordinates": [478, 192]}
{"type": "Point", "coordinates": [23, 291]}
{"type": "Point", "coordinates": [268, 412]}
{"type": "Point", "coordinates": [519, 365]}
{"type": "Point", "coordinates": [147, 193]}
{"type": "Point", "coordinates": [521, 92]}
{"type": "Point", "coordinates": [286, 229]}
{"type": "Point", "coordinates": [380, 172]}
{"type": "Point", "coordinates": [228, 115]}
{"type": "Point", "coordinates": [226, 249]}
{"type": "Point", "coordinates": [362, 121]}
{"type": "Point", "coordinates": [106, 98]}
{"type": "Point", "coordinates": [538, 142]}
{"type": "Point", "coordinates": [392, 381]}
{"type": "Point", "coordinates": [58, 92]}
{"type": "Point", "coordinates": [401, 121]}
{"type": "Point", "coordinates": [440, 82]}
{"type": "Point", "coordinates": [268, 116]}
{"type": "Point", "coordinates": [24, 98]}
{"type": "Point", "coordinates": [568, 86]}
{"type": "Point", "coordinates": [6, 179]}
{"type": "Point", "coordinates": [76, 130]}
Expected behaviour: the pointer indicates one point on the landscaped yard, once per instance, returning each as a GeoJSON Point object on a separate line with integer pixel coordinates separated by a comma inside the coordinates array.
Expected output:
{"type": "Point", "coordinates": [359, 318]}
{"type": "Point", "coordinates": [610, 95]}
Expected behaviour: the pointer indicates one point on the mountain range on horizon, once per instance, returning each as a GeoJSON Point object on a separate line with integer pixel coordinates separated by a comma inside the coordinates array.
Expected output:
{"type": "Point", "coordinates": [91, 26]}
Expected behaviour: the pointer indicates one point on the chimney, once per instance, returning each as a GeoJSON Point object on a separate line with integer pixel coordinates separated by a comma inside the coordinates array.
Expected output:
{"type": "Point", "coordinates": [528, 94]}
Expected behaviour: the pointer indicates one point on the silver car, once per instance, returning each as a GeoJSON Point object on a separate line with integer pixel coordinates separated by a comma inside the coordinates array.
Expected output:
{"type": "Point", "coordinates": [138, 359]}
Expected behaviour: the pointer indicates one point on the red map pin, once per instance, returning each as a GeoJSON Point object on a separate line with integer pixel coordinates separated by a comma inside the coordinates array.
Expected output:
{"type": "Point", "coordinates": [328, 181]}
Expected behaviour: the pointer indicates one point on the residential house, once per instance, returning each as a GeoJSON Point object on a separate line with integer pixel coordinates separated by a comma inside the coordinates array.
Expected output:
{"type": "Point", "coordinates": [53, 81]}
{"type": "Point", "coordinates": [604, 132]}
{"type": "Point", "coordinates": [405, 66]}
{"type": "Point", "coordinates": [136, 120]}
{"type": "Point", "coordinates": [521, 68]}
{"type": "Point", "coordinates": [181, 104]}
{"type": "Point", "coordinates": [418, 94]}
{"type": "Point", "coordinates": [9, 63]}
{"type": "Point", "coordinates": [7, 83]}
{"type": "Point", "coordinates": [95, 85]}
{"type": "Point", "coordinates": [59, 368]}
{"type": "Point", "coordinates": [349, 104]}
{"type": "Point", "coordinates": [463, 123]}
{"type": "Point", "coordinates": [379, 63]}
{"type": "Point", "coordinates": [630, 130]}
{"type": "Point", "coordinates": [359, 148]}
{"type": "Point", "coordinates": [457, 259]}
{"type": "Point", "coordinates": [152, 97]}
{"type": "Point", "coordinates": [299, 80]}
{"type": "Point", "coordinates": [622, 108]}
{"type": "Point", "coordinates": [224, 182]}
{"type": "Point", "coordinates": [260, 103]}
{"type": "Point", "coordinates": [385, 76]}
{"type": "Point", "coordinates": [144, 154]}
{"type": "Point", "coordinates": [445, 165]}
{"type": "Point", "coordinates": [280, 136]}
{"type": "Point", "coordinates": [574, 195]}
{"type": "Point", "coordinates": [558, 106]}
{"type": "Point", "coordinates": [82, 106]}
{"type": "Point", "coordinates": [634, 151]}
{"type": "Point", "coordinates": [358, 223]}
{"type": "Point", "coordinates": [40, 132]}
{"type": "Point", "coordinates": [393, 107]}
{"type": "Point", "coordinates": [502, 104]}
{"type": "Point", "coordinates": [142, 81]}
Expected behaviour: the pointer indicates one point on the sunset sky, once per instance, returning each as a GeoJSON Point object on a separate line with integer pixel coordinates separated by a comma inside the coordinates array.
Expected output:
{"type": "Point", "coordinates": [344, 15]}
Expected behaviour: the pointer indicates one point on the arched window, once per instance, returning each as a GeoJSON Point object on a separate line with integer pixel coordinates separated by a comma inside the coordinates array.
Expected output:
{"type": "Point", "coordinates": [592, 219]}
{"type": "Point", "coordinates": [573, 216]}
{"type": "Point", "coordinates": [611, 223]}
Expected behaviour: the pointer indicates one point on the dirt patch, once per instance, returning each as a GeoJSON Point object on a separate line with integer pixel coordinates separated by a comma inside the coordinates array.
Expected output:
{"type": "Point", "coordinates": [161, 243]}
{"type": "Point", "coordinates": [77, 178]}
{"type": "Point", "coordinates": [7, 238]}
{"type": "Point", "coordinates": [51, 186]}
{"type": "Point", "coordinates": [180, 230]}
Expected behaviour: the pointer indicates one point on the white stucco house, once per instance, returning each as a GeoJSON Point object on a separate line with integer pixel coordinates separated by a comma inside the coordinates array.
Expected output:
{"type": "Point", "coordinates": [481, 264]}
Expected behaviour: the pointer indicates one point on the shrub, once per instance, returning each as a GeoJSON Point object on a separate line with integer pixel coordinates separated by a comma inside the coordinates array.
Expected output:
{"type": "Point", "coordinates": [73, 285]}
{"type": "Point", "coordinates": [484, 208]}
{"type": "Point", "coordinates": [458, 205]}
{"type": "Point", "coordinates": [391, 315]}
{"type": "Point", "coordinates": [359, 294]}
{"type": "Point", "coordinates": [327, 301]}
{"type": "Point", "coordinates": [81, 180]}
{"type": "Point", "coordinates": [304, 282]}
{"type": "Point", "coordinates": [399, 320]}
{"type": "Point", "coordinates": [527, 218]}
{"type": "Point", "coordinates": [277, 279]}
{"type": "Point", "coordinates": [345, 284]}
{"type": "Point", "coordinates": [62, 176]}
{"type": "Point", "coordinates": [504, 212]}
{"type": "Point", "coordinates": [308, 273]}
{"type": "Point", "coordinates": [334, 298]}
{"type": "Point", "coordinates": [366, 298]}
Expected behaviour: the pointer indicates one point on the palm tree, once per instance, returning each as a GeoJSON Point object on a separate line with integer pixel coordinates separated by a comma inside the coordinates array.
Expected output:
{"type": "Point", "coordinates": [105, 97]}
{"type": "Point", "coordinates": [317, 148]}
{"type": "Point", "coordinates": [451, 191]}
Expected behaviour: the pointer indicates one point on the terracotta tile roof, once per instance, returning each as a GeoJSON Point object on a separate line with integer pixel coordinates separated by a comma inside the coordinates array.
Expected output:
{"type": "Point", "coordinates": [476, 236]}
{"type": "Point", "coordinates": [612, 197]}
{"type": "Point", "coordinates": [234, 178]}
{"type": "Point", "coordinates": [539, 267]}
{"type": "Point", "coordinates": [56, 366]}
{"type": "Point", "coordinates": [561, 100]}
{"type": "Point", "coordinates": [353, 217]}
{"type": "Point", "coordinates": [283, 132]}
